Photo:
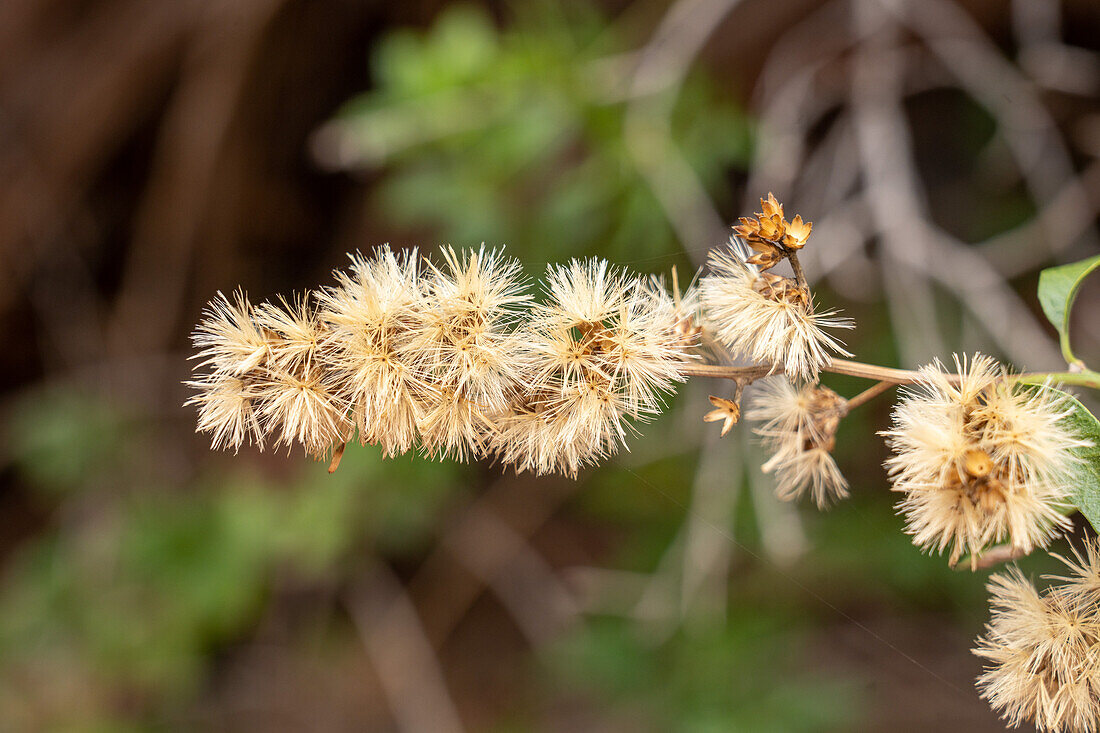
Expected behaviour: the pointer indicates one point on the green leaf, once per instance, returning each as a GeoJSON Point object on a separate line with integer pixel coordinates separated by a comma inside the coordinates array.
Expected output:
{"type": "Point", "coordinates": [1086, 496]}
{"type": "Point", "coordinates": [1058, 287]}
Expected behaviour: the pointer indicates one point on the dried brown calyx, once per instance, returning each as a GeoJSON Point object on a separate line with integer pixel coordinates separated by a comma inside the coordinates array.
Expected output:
{"type": "Point", "coordinates": [728, 411]}
{"type": "Point", "coordinates": [770, 235]}
{"type": "Point", "coordinates": [977, 481]}
{"type": "Point", "coordinates": [781, 289]}
{"type": "Point", "coordinates": [824, 411]}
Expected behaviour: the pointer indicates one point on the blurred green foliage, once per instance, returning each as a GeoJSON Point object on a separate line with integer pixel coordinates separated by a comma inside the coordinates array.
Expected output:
{"type": "Point", "coordinates": [133, 594]}
{"type": "Point", "coordinates": [516, 136]}
{"type": "Point", "coordinates": [742, 675]}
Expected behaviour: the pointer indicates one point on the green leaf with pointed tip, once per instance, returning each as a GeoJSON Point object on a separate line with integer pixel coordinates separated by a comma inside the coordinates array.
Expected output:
{"type": "Point", "coordinates": [1086, 481]}
{"type": "Point", "coordinates": [1058, 287]}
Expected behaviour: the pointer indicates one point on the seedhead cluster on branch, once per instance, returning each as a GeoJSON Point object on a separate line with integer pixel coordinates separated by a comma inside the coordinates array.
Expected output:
{"type": "Point", "coordinates": [451, 359]}
{"type": "Point", "coordinates": [458, 359]}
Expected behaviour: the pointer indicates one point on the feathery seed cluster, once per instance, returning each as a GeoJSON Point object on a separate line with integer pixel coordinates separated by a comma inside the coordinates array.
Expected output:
{"type": "Point", "coordinates": [1043, 649]}
{"type": "Point", "coordinates": [458, 360]}
{"type": "Point", "coordinates": [603, 346]}
{"type": "Point", "coordinates": [267, 376]}
{"type": "Point", "coordinates": [799, 428]}
{"type": "Point", "coordinates": [451, 359]}
{"type": "Point", "coordinates": [981, 460]}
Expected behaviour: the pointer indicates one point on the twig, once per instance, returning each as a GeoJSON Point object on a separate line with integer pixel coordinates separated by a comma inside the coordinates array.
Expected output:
{"type": "Point", "coordinates": [870, 393]}
{"type": "Point", "coordinates": [993, 556]}
{"type": "Point", "coordinates": [799, 275]}
{"type": "Point", "coordinates": [1086, 378]}
{"type": "Point", "coordinates": [746, 374]}
{"type": "Point", "coordinates": [835, 366]}
{"type": "Point", "coordinates": [887, 375]}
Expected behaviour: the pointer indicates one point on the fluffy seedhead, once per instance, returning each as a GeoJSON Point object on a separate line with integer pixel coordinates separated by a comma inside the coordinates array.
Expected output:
{"type": "Point", "coordinates": [233, 350]}
{"type": "Point", "coordinates": [768, 318]}
{"type": "Point", "coordinates": [690, 321]}
{"type": "Point", "coordinates": [562, 430]}
{"type": "Point", "coordinates": [799, 426]}
{"type": "Point", "coordinates": [464, 348]}
{"type": "Point", "coordinates": [602, 347]}
{"type": "Point", "coordinates": [297, 404]}
{"type": "Point", "coordinates": [1084, 576]}
{"type": "Point", "coordinates": [981, 459]}
{"type": "Point", "coordinates": [267, 376]}
{"type": "Point", "coordinates": [1043, 650]}
{"type": "Point", "coordinates": [370, 315]}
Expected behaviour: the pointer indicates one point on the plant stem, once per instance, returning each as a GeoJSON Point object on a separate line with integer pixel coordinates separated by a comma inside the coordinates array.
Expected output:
{"type": "Point", "coordinates": [799, 275]}
{"type": "Point", "coordinates": [835, 366]}
{"type": "Point", "coordinates": [740, 374]}
{"type": "Point", "coordinates": [872, 371]}
{"type": "Point", "coordinates": [869, 394]}
{"type": "Point", "coordinates": [989, 558]}
{"type": "Point", "coordinates": [1085, 378]}
{"type": "Point", "coordinates": [888, 375]}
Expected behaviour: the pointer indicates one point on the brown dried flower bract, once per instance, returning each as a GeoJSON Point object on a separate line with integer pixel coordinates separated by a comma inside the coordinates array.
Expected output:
{"type": "Point", "coordinates": [770, 235]}
{"type": "Point", "coordinates": [799, 428]}
{"type": "Point", "coordinates": [797, 233]}
{"type": "Point", "coordinates": [728, 411]}
{"type": "Point", "coordinates": [981, 460]}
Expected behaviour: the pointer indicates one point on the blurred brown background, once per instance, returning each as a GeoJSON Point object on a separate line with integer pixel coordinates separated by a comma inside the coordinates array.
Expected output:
{"type": "Point", "coordinates": [154, 152]}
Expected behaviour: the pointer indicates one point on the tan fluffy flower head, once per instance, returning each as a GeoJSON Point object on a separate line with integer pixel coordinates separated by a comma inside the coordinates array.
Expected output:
{"type": "Point", "coordinates": [799, 427]}
{"type": "Point", "coordinates": [465, 350]}
{"type": "Point", "coordinates": [687, 309]}
{"type": "Point", "coordinates": [602, 347]}
{"type": "Point", "coordinates": [234, 349]}
{"type": "Point", "coordinates": [768, 318]}
{"type": "Point", "coordinates": [369, 314]}
{"type": "Point", "coordinates": [1043, 650]}
{"type": "Point", "coordinates": [298, 406]}
{"type": "Point", "coordinates": [980, 459]}
{"type": "Point", "coordinates": [562, 430]}
{"type": "Point", "coordinates": [267, 376]}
